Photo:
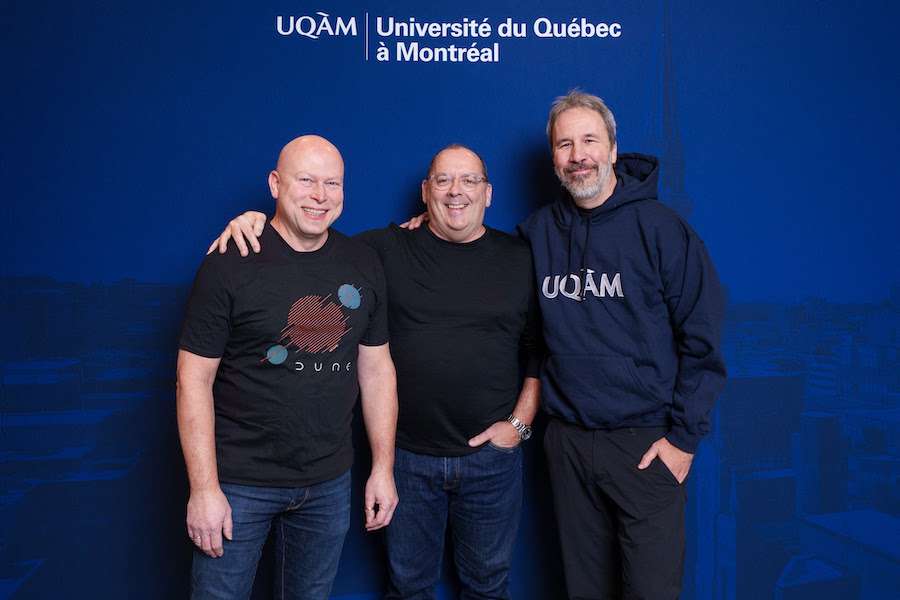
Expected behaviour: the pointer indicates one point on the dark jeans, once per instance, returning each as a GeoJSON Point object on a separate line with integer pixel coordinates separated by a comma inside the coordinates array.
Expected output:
{"type": "Point", "coordinates": [479, 496]}
{"type": "Point", "coordinates": [310, 525]}
{"type": "Point", "coordinates": [621, 529]}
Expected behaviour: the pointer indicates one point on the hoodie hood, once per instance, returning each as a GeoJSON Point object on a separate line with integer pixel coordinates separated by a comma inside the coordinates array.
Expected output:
{"type": "Point", "coordinates": [637, 177]}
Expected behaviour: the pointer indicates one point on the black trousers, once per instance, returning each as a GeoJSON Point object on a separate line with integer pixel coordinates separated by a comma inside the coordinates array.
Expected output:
{"type": "Point", "coordinates": [621, 529]}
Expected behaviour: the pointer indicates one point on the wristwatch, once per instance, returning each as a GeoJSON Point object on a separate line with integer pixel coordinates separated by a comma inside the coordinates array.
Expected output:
{"type": "Point", "coordinates": [523, 429]}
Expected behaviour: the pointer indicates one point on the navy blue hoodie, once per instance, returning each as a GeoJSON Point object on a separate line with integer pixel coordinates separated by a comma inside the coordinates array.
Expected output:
{"type": "Point", "coordinates": [632, 310]}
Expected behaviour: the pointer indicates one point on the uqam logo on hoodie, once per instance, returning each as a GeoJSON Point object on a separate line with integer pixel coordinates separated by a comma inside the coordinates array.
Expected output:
{"type": "Point", "coordinates": [570, 286]}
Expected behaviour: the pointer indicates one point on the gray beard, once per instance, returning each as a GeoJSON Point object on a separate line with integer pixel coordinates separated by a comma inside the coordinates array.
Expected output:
{"type": "Point", "coordinates": [585, 189]}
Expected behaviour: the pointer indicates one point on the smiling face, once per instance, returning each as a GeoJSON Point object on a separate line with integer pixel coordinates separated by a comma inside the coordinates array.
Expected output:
{"type": "Point", "coordinates": [582, 156]}
{"type": "Point", "coordinates": [308, 187]}
{"type": "Point", "coordinates": [456, 194]}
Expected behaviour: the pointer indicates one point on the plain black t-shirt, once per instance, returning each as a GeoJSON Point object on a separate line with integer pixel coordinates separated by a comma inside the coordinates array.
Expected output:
{"type": "Point", "coordinates": [459, 315]}
{"type": "Point", "coordinates": [287, 326]}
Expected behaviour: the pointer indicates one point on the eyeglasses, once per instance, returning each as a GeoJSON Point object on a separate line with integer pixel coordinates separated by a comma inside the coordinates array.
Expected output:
{"type": "Point", "coordinates": [468, 182]}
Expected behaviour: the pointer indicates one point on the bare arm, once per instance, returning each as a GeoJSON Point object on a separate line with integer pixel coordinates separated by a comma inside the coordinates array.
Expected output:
{"type": "Point", "coordinates": [529, 400]}
{"type": "Point", "coordinates": [502, 433]}
{"type": "Point", "coordinates": [378, 388]}
{"type": "Point", "coordinates": [208, 512]}
{"type": "Point", "coordinates": [243, 228]}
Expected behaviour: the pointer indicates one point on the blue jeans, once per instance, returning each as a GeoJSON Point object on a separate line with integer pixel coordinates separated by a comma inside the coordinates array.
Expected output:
{"type": "Point", "coordinates": [479, 496]}
{"type": "Point", "coordinates": [310, 525]}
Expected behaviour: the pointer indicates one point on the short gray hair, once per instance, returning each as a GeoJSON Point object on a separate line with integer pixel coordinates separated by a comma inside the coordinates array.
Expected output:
{"type": "Point", "coordinates": [578, 99]}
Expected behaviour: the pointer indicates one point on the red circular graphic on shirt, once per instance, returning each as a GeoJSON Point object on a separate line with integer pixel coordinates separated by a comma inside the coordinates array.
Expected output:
{"type": "Point", "coordinates": [315, 324]}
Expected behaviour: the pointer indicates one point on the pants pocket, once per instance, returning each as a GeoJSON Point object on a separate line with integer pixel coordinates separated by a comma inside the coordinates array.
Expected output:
{"type": "Point", "coordinates": [503, 449]}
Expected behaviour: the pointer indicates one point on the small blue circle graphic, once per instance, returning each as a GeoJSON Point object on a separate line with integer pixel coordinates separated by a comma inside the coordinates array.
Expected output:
{"type": "Point", "coordinates": [349, 296]}
{"type": "Point", "coordinates": [277, 354]}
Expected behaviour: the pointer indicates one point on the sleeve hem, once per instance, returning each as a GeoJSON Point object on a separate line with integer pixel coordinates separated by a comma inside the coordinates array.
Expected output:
{"type": "Point", "coordinates": [533, 367]}
{"type": "Point", "coordinates": [200, 351]}
{"type": "Point", "coordinates": [683, 440]}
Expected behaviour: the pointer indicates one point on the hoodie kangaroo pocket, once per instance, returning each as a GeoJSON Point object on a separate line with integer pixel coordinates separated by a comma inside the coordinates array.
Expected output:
{"type": "Point", "coordinates": [602, 390]}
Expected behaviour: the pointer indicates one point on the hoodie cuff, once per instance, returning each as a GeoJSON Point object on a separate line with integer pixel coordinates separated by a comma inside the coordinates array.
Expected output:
{"type": "Point", "coordinates": [683, 439]}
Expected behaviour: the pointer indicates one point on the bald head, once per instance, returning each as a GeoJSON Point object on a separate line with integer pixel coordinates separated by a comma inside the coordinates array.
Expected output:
{"type": "Point", "coordinates": [307, 145]}
{"type": "Point", "coordinates": [459, 147]}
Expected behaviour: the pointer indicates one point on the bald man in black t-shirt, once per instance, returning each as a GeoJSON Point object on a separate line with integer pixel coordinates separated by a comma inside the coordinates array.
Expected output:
{"type": "Point", "coordinates": [273, 353]}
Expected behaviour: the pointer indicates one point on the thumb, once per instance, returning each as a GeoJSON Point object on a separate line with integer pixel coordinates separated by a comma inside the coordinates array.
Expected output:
{"type": "Point", "coordinates": [259, 225]}
{"type": "Point", "coordinates": [648, 457]}
{"type": "Point", "coordinates": [481, 438]}
{"type": "Point", "coordinates": [227, 527]}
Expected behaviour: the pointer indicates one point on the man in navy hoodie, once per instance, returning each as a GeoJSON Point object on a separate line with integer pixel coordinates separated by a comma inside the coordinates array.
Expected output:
{"type": "Point", "coordinates": [632, 309]}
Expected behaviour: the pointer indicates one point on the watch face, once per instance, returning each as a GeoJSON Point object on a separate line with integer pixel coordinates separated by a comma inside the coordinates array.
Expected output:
{"type": "Point", "coordinates": [526, 433]}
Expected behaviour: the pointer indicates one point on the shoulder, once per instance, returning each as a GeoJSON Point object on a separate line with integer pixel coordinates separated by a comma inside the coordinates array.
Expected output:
{"type": "Point", "coordinates": [536, 219]}
{"type": "Point", "coordinates": [665, 222]}
{"type": "Point", "coordinates": [651, 208]}
{"type": "Point", "coordinates": [357, 250]}
{"type": "Point", "coordinates": [380, 238]}
{"type": "Point", "coordinates": [226, 267]}
{"type": "Point", "coordinates": [514, 245]}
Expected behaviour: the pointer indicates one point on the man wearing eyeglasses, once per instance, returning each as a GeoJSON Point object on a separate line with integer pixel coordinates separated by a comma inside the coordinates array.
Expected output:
{"type": "Point", "coordinates": [461, 307]}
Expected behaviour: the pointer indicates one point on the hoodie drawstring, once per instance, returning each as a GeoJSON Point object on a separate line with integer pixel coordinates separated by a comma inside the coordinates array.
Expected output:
{"type": "Point", "coordinates": [584, 250]}
{"type": "Point", "coordinates": [572, 233]}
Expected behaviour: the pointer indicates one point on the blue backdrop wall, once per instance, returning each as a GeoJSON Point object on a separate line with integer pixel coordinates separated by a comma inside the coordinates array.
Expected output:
{"type": "Point", "coordinates": [133, 131]}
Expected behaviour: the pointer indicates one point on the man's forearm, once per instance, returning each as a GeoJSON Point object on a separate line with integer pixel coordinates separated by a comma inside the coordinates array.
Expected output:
{"type": "Point", "coordinates": [196, 429]}
{"type": "Point", "coordinates": [529, 400]}
{"type": "Point", "coordinates": [208, 512]}
{"type": "Point", "coordinates": [378, 388]}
